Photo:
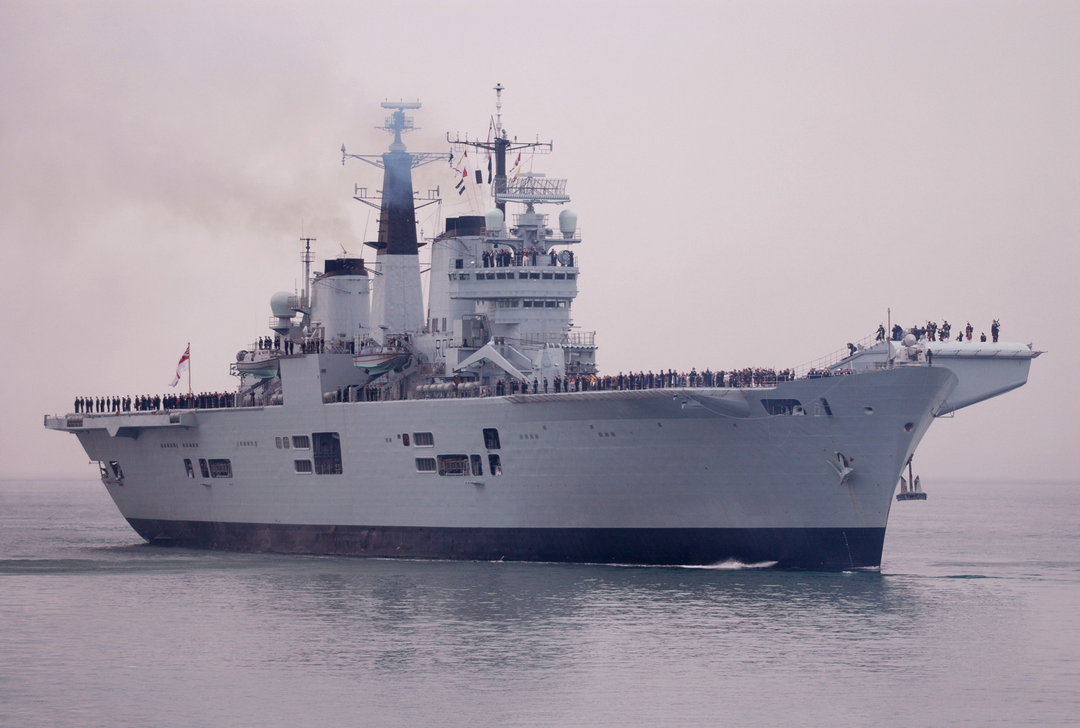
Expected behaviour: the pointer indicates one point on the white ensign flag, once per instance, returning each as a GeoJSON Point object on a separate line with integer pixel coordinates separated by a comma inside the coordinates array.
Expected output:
{"type": "Point", "coordinates": [182, 366]}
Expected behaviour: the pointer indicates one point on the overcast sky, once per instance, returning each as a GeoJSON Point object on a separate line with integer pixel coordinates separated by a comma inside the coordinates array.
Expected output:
{"type": "Point", "coordinates": [756, 183]}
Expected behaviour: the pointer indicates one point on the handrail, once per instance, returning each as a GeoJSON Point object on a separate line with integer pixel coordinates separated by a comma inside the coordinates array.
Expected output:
{"type": "Point", "coordinates": [830, 360]}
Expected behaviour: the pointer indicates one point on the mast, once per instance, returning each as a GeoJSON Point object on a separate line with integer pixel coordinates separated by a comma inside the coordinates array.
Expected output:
{"type": "Point", "coordinates": [499, 147]}
{"type": "Point", "coordinates": [888, 336]}
{"type": "Point", "coordinates": [397, 304]}
{"type": "Point", "coordinates": [307, 258]}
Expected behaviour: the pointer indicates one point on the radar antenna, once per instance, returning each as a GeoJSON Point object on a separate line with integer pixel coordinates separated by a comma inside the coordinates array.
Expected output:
{"type": "Point", "coordinates": [500, 146]}
{"type": "Point", "coordinates": [397, 124]}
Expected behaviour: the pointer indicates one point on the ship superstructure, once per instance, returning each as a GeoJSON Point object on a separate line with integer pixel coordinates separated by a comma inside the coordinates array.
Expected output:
{"type": "Point", "coordinates": [372, 422]}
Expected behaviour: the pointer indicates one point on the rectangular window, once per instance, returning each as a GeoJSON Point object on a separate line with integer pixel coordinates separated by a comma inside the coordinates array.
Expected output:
{"type": "Point", "coordinates": [546, 276]}
{"type": "Point", "coordinates": [423, 439]}
{"type": "Point", "coordinates": [220, 468]}
{"type": "Point", "coordinates": [405, 439]}
{"type": "Point", "coordinates": [327, 453]}
{"type": "Point", "coordinates": [781, 406]}
{"type": "Point", "coordinates": [495, 464]}
{"type": "Point", "coordinates": [560, 276]}
{"type": "Point", "coordinates": [571, 276]}
{"type": "Point", "coordinates": [277, 442]}
{"type": "Point", "coordinates": [302, 466]}
{"type": "Point", "coordinates": [300, 442]}
{"type": "Point", "coordinates": [444, 324]}
{"type": "Point", "coordinates": [285, 442]}
{"type": "Point", "coordinates": [523, 276]}
{"type": "Point", "coordinates": [187, 466]}
{"type": "Point", "coordinates": [453, 464]}
{"type": "Point", "coordinates": [425, 465]}
{"type": "Point", "coordinates": [459, 263]}
{"type": "Point", "coordinates": [491, 438]}
{"type": "Point", "coordinates": [463, 276]}
{"type": "Point", "coordinates": [534, 276]}
{"type": "Point", "coordinates": [204, 468]}
{"type": "Point", "coordinates": [526, 304]}
{"type": "Point", "coordinates": [477, 465]}
{"type": "Point", "coordinates": [500, 276]}
{"type": "Point", "coordinates": [551, 304]}
{"type": "Point", "coordinates": [434, 325]}
{"type": "Point", "coordinates": [116, 469]}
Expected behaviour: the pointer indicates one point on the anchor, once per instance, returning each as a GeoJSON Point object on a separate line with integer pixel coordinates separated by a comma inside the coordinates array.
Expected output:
{"type": "Point", "coordinates": [910, 489]}
{"type": "Point", "coordinates": [843, 465]}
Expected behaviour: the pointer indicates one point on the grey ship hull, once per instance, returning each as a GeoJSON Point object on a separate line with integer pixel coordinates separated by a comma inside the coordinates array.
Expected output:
{"type": "Point", "coordinates": [687, 476]}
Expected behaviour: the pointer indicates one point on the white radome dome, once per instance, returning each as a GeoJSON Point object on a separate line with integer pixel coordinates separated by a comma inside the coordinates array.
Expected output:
{"type": "Point", "coordinates": [279, 304]}
{"type": "Point", "coordinates": [567, 222]}
{"type": "Point", "coordinates": [493, 220]}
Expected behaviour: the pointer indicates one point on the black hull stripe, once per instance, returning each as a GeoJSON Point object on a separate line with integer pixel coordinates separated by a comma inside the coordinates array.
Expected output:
{"type": "Point", "coordinates": [809, 548]}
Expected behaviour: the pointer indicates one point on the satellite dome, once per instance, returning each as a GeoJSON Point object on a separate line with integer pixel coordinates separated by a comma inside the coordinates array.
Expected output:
{"type": "Point", "coordinates": [909, 340]}
{"type": "Point", "coordinates": [567, 223]}
{"type": "Point", "coordinates": [279, 304]}
{"type": "Point", "coordinates": [493, 220]}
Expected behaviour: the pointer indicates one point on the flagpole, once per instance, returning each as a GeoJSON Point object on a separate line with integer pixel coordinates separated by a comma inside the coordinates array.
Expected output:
{"type": "Point", "coordinates": [189, 368]}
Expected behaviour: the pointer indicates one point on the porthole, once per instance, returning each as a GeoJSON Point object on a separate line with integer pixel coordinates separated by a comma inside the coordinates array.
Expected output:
{"type": "Point", "coordinates": [868, 410]}
{"type": "Point", "coordinates": [908, 427]}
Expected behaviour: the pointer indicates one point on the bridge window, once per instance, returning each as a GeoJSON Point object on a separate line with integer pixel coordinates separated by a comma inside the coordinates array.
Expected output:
{"type": "Point", "coordinates": [495, 464]}
{"type": "Point", "coordinates": [546, 276]}
{"type": "Point", "coordinates": [327, 453]}
{"type": "Point", "coordinates": [560, 276]}
{"type": "Point", "coordinates": [220, 468]}
{"type": "Point", "coordinates": [302, 466]}
{"type": "Point", "coordinates": [526, 304]}
{"type": "Point", "coordinates": [423, 439]}
{"type": "Point", "coordinates": [571, 276]}
{"type": "Point", "coordinates": [477, 465]}
{"type": "Point", "coordinates": [491, 438]}
{"type": "Point", "coordinates": [453, 464]}
{"type": "Point", "coordinates": [204, 468]}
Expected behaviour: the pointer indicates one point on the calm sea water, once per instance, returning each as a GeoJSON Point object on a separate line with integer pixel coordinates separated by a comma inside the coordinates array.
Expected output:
{"type": "Point", "coordinates": [974, 619]}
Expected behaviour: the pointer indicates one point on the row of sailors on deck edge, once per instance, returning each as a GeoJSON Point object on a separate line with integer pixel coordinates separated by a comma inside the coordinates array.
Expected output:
{"type": "Point", "coordinates": [646, 380]}
{"type": "Point", "coordinates": [154, 402]}
{"type": "Point", "coordinates": [756, 377]}
{"type": "Point", "coordinates": [933, 332]}
{"type": "Point", "coordinates": [505, 257]}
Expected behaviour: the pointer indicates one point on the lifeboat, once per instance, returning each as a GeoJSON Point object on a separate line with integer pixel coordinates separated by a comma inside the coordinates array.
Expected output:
{"type": "Point", "coordinates": [377, 360]}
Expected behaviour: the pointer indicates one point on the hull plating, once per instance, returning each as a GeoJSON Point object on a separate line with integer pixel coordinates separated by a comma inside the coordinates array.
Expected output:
{"type": "Point", "coordinates": [809, 548]}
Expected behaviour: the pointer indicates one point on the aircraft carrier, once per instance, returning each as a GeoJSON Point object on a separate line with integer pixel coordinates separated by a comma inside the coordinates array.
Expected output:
{"type": "Point", "coordinates": [474, 425]}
